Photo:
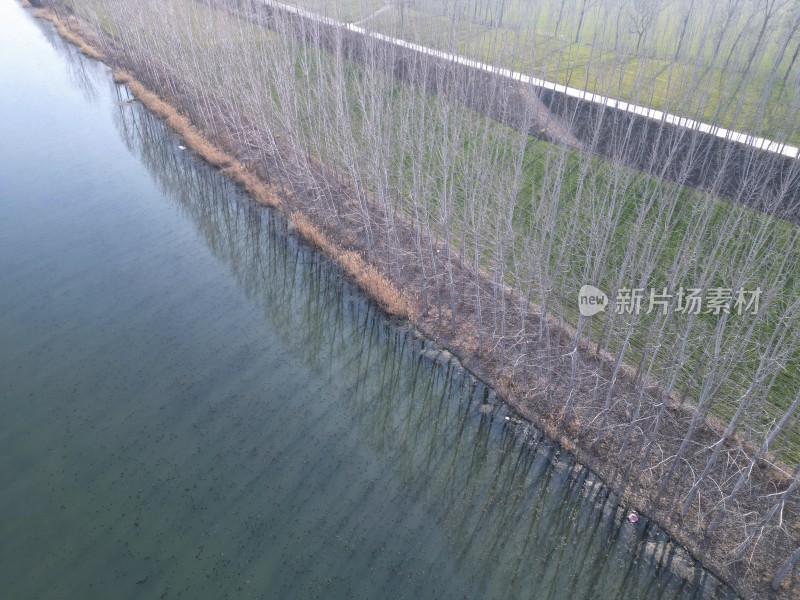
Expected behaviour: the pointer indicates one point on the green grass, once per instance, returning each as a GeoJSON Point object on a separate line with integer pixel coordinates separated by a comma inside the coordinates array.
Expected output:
{"type": "Point", "coordinates": [353, 10]}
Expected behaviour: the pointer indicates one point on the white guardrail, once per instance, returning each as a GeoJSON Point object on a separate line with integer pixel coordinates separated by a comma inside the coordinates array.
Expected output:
{"type": "Point", "coordinates": [720, 132]}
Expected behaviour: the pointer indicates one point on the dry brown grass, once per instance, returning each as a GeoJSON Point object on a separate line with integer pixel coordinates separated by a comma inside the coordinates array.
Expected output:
{"type": "Point", "coordinates": [372, 281]}
{"type": "Point", "coordinates": [369, 278]}
{"type": "Point", "coordinates": [198, 142]}
{"type": "Point", "coordinates": [26, 4]}
{"type": "Point", "coordinates": [252, 184]}
{"type": "Point", "coordinates": [70, 33]}
{"type": "Point", "coordinates": [179, 123]}
{"type": "Point", "coordinates": [121, 76]}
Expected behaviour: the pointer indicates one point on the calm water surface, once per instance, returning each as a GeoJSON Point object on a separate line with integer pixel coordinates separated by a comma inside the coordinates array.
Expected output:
{"type": "Point", "coordinates": [195, 405]}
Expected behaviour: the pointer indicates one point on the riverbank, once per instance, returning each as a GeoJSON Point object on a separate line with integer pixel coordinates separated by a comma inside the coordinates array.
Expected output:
{"type": "Point", "coordinates": [332, 221]}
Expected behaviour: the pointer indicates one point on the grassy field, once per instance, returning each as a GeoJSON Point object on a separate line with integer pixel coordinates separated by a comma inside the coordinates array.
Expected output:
{"type": "Point", "coordinates": [349, 11]}
{"type": "Point", "coordinates": [521, 189]}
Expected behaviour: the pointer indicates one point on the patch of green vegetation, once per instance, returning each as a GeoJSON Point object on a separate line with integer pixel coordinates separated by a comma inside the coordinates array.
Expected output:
{"type": "Point", "coordinates": [353, 10]}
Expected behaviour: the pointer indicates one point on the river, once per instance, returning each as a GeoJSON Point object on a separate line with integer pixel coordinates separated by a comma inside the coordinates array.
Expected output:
{"type": "Point", "coordinates": [195, 404]}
